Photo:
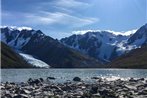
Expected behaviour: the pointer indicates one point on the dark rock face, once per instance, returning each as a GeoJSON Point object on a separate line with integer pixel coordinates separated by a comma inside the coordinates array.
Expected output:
{"type": "Point", "coordinates": [47, 49]}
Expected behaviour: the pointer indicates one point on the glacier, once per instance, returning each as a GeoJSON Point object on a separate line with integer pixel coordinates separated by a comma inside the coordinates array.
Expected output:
{"type": "Point", "coordinates": [34, 61]}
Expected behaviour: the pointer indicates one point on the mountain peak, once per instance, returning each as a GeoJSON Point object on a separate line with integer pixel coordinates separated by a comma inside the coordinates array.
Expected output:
{"type": "Point", "coordinates": [46, 49]}
{"type": "Point", "coordinates": [106, 45]}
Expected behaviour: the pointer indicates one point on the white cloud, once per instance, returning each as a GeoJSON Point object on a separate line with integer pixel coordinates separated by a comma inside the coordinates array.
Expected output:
{"type": "Point", "coordinates": [7, 14]}
{"type": "Point", "coordinates": [17, 28]}
{"type": "Point", "coordinates": [68, 6]}
{"type": "Point", "coordinates": [81, 32]}
{"type": "Point", "coordinates": [48, 18]}
{"type": "Point", "coordinates": [71, 3]}
{"type": "Point", "coordinates": [127, 33]}
{"type": "Point", "coordinates": [130, 32]}
{"type": "Point", "coordinates": [56, 12]}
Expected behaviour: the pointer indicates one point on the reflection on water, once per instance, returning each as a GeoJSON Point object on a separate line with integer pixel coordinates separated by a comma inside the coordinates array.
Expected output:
{"type": "Point", "coordinates": [21, 75]}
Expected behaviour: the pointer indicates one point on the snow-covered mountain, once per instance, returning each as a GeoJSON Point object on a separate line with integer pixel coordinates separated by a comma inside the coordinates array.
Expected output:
{"type": "Point", "coordinates": [16, 37]}
{"type": "Point", "coordinates": [102, 45]}
{"type": "Point", "coordinates": [106, 45]}
{"type": "Point", "coordinates": [44, 48]}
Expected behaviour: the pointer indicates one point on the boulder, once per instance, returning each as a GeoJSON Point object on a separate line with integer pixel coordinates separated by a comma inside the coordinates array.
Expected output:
{"type": "Point", "coordinates": [66, 88]}
{"type": "Point", "coordinates": [35, 81]}
{"type": "Point", "coordinates": [51, 78]}
{"type": "Point", "coordinates": [41, 79]}
{"type": "Point", "coordinates": [76, 79]}
{"type": "Point", "coordinates": [141, 79]}
{"type": "Point", "coordinates": [133, 80]}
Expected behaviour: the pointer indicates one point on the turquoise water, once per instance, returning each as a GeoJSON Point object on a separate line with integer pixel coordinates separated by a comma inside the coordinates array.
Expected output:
{"type": "Point", "coordinates": [61, 75]}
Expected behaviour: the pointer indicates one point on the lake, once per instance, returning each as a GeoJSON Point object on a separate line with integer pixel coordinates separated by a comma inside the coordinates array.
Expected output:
{"type": "Point", "coordinates": [61, 75]}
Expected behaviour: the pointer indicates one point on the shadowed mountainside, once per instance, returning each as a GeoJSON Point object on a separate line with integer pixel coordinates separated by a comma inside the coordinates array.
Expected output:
{"type": "Point", "coordinates": [10, 59]}
{"type": "Point", "coordinates": [136, 58]}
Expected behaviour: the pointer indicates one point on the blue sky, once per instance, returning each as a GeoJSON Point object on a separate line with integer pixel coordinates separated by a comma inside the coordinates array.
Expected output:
{"type": "Point", "coordinates": [58, 18]}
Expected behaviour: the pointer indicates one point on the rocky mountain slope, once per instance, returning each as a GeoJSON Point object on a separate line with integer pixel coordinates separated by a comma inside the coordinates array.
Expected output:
{"type": "Point", "coordinates": [136, 58]}
{"type": "Point", "coordinates": [45, 48]}
{"type": "Point", "coordinates": [10, 59]}
{"type": "Point", "coordinates": [105, 45]}
{"type": "Point", "coordinates": [139, 38]}
{"type": "Point", "coordinates": [102, 45]}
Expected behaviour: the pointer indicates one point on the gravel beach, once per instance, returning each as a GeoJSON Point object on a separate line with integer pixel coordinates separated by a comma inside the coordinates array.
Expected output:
{"type": "Point", "coordinates": [76, 88]}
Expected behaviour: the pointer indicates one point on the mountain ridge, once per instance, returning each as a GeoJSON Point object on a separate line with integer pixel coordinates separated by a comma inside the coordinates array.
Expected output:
{"type": "Point", "coordinates": [76, 51]}
{"type": "Point", "coordinates": [106, 46]}
{"type": "Point", "coordinates": [45, 48]}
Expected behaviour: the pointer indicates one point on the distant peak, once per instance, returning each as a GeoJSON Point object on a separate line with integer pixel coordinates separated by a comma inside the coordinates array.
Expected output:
{"type": "Point", "coordinates": [17, 28]}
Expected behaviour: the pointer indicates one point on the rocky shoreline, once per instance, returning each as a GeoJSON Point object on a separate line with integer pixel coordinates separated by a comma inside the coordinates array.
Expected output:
{"type": "Point", "coordinates": [76, 88]}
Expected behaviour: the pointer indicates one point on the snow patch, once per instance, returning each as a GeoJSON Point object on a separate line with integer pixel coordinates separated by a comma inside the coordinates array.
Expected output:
{"type": "Point", "coordinates": [123, 33]}
{"type": "Point", "coordinates": [81, 32]}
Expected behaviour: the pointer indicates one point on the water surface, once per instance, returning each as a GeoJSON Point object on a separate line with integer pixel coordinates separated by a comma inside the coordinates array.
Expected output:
{"type": "Point", "coordinates": [22, 75]}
